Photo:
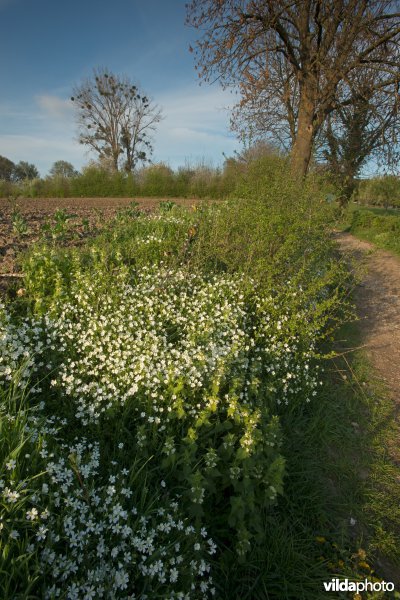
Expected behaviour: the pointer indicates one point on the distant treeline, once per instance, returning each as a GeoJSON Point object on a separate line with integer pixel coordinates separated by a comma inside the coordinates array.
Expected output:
{"type": "Point", "coordinates": [159, 180]}
{"type": "Point", "coordinates": [154, 180]}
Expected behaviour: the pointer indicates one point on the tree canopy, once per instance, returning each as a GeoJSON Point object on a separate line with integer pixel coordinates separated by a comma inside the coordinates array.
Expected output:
{"type": "Point", "coordinates": [115, 119]}
{"type": "Point", "coordinates": [63, 168]}
{"type": "Point", "coordinates": [6, 168]}
{"type": "Point", "coordinates": [297, 59]}
{"type": "Point", "coordinates": [24, 170]}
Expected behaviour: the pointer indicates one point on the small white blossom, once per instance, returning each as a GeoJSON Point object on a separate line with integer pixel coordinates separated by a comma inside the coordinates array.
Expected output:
{"type": "Point", "coordinates": [32, 514]}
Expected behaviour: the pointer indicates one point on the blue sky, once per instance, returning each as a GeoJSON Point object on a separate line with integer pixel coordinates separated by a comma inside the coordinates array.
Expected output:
{"type": "Point", "coordinates": [48, 46]}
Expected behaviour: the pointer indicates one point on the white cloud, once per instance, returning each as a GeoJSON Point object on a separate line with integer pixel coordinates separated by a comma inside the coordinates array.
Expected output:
{"type": "Point", "coordinates": [54, 106]}
{"type": "Point", "coordinates": [40, 132]}
{"type": "Point", "coordinates": [192, 103]}
{"type": "Point", "coordinates": [195, 125]}
{"type": "Point", "coordinates": [185, 134]}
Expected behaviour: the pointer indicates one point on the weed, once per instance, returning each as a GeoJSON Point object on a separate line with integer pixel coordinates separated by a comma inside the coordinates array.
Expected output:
{"type": "Point", "coordinates": [19, 224]}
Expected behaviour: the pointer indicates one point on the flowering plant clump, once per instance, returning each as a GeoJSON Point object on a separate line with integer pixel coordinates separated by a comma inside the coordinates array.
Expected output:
{"type": "Point", "coordinates": [103, 544]}
{"type": "Point", "coordinates": [100, 537]}
{"type": "Point", "coordinates": [191, 369]}
{"type": "Point", "coordinates": [127, 242]}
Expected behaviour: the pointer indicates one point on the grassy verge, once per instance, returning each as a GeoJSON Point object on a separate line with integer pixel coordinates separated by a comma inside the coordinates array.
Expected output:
{"type": "Point", "coordinates": [339, 515]}
{"type": "Point", "coordinates": [185, 445]}
{"type": "Point", "coordinates": [376, 225]}
{"type": "Point", "coordinates": [378, 430]}
{"type": "Point", "coordinates": [376, 210]}
{"type": "Point", "coordinates": [367, 441]}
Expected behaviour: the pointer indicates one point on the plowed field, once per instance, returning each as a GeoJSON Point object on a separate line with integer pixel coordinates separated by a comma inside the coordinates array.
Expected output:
{"type": "Point", "coordinates": [26, 220]}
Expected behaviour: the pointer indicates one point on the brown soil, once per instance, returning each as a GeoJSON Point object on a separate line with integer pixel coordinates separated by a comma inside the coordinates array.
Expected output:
{"type": "Point", "coordinates": [23, 222]}
{"type": "Point", "coordinates": [378, 305]}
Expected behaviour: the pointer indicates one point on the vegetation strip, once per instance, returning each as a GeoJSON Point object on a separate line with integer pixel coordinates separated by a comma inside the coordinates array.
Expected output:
{"type": "Point", "coordinates": [158, 383]}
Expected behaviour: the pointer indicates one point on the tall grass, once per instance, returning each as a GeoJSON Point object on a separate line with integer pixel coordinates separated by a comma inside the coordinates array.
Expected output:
{"type": "Point", "coordinates": [22, 471]}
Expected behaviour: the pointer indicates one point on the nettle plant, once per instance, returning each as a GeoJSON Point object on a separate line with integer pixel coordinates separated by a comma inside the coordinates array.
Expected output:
{"type": "Point", "coordinates": [189, 371]}
{"type": "Point", "coordinates": [131, 241]}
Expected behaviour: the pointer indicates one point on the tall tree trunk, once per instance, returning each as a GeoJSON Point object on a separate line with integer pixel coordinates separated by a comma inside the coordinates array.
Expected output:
{"type": "Point", "coordinates": [115, 160]}
{"type": "Point", "coordinates": [303, 143]}
{"type": "Point", "coordinates": [348, 183]}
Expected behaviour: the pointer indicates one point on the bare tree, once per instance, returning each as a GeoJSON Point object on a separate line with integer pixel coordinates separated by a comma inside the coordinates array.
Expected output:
{"type": "Point", "coordinates": [268, 106]}
{"type": "Point", "coordinates": [321, 43]}
{"type": "Point", "coordinates": [115, 119]}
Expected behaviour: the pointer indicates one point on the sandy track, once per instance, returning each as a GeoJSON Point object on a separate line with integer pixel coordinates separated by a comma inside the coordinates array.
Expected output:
{"type": "Point", "coordinates": [378, 306]}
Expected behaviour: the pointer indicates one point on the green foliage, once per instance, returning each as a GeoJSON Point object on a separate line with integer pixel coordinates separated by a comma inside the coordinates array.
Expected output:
{"type": "Point", "coordinates": [63, 168]}
{"type": "Point", "coordinates": [24, 170]}
{"type": "Point", "coordinates": [52, 490]}
{"type": "Point", "coordinates": [6, 188]}
{"type": "Point", "coordinates": [47, 272]}
{"type": "Point", "coordinates": [275, 230]}
{"type": "Point", "coordinates": [98, 182]}
{"type": "Point", "coordinates": [382, 230]}
{"type": "Point", "coordinates": [131, 241]}
{"type": "Point", "coordinates": [379, 191]}
{"type": "Point", "coordinates": [185, 345]}
{"type": "Point", "coordinates": [21, 469]}
{"type": "Point", "coordinates": [6, 169]}
{"type": "Point", "coordinates": [156, 180]}
{"type": "Point", "coordinates": [220, 453]}
{"type": "Point", "coordinates": [19, 224]}
{"type": "Point", "coordinates": [60, 228]}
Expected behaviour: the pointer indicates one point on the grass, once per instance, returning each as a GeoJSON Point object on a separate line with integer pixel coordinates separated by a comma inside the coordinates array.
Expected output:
{"type": "Point", "coordinates": [376, 225]}
{"type": "Point", "coordinates": [379, 210]}
{"type": "Point", "coordinates": [342, 472]}
{"type": "Point", "coordinates": [373, 427]}
{"type": "Point", "coordinates": [376, 210]}
{"type": "Point", "coordinates": [381, 471]}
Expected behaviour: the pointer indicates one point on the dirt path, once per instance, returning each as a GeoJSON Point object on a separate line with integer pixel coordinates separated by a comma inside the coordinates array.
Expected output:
{"type": "Point", "coordinates": [378, 303]}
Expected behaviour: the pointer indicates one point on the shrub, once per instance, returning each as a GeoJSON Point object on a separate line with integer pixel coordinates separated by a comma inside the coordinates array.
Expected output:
{"type": "Point", "coordinates": [379, 191]}
{"type": "Point", "coordinates": [382, 230]}
{"type": "Point", "coordinates": [7, 188]}
{"type": "Point", "coordinates": [192, 370]}
{"type": "Point", "coordinates": [163, 357]}
{"type": "Point", "coordinates": [96, 181]}
{"type": "Point", "coordinates": [273, 228]}
{"type": "Point", "coordinates": [205, 182]}
{"type": "Point", "coordinates": [157, 180]}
